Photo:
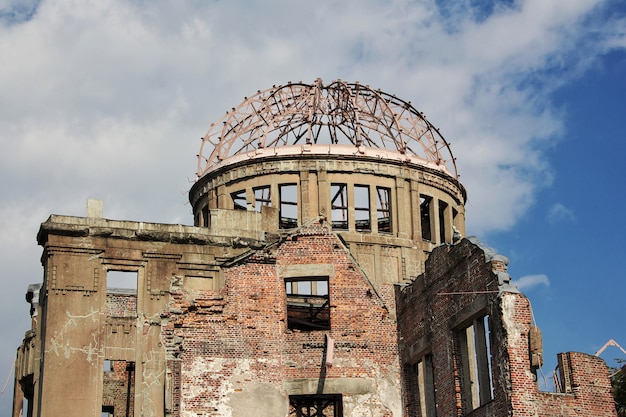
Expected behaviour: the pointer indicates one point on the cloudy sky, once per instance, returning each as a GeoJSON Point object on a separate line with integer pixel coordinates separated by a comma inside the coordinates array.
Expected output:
{"type": "Point", "coordinates": [108, 99]}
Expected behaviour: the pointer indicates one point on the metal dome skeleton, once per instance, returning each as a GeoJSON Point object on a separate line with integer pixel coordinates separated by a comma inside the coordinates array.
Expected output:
{"type": "Point", "coordinates": [298, 118]}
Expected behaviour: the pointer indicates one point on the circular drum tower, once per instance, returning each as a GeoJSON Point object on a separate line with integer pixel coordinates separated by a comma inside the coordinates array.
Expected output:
{"type": "Point", "coordinates": [366, 163]}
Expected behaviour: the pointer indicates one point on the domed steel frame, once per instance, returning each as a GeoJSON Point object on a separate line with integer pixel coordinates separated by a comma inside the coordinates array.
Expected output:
{"type": "Point", "coordinates": [298, 115]}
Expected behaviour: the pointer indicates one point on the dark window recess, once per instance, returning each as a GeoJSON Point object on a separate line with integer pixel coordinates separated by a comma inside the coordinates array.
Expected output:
{"type": "Point", "coordinates": [28, 387]}
{"type": "Point", "coordinates": [239, 200]}
{"type": "Point", "coordinates": [383, 209]}
{"type": "Point", "coordinates": [308, 303]}
{"type": "Point", "coordinates": [288, 194]}
{"type": "Point", "coordinates": [328, 405]}
{"type": "Point", "coordinates": [477, 388]}
{"type": "Point", "coordinates": [442, 222]}
{"type": "Point", "coordinates": [108, 411]}
{"type": "Point", "coordinates": [362, 214]}
{"type": "Point", "coordinates": [205, 216]}
{"type": "Point", "coordinates": [455, 214]}
{"type": "Point", "coordinates": [339, 206]}
{"type": "Point", "coordinates": [262, 197]}
{"type": "Point", "coordinates": [425, 202]}
{"type": "Point", "coordinates": [422, 388]}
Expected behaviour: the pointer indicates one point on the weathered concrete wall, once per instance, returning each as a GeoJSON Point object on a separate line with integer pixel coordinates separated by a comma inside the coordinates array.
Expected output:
{"type": "Point", "coordinates": [81, 324]}
{"type": "Point", "coordinates": [388, 256]}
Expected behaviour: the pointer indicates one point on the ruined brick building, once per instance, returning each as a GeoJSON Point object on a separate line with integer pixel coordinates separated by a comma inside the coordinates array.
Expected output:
{"type": "Point", "coordinates": [326, 274]}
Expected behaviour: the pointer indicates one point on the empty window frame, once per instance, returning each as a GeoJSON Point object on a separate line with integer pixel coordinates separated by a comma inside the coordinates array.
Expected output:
{"type": "Point", "coordinates": [288, 195]}
{"type": "Point", "coordinates": [455, 215]}
{"type": "Point", "coordinates": [383, 209]}
{"type": "Point", "coordinates": [425, 205]}
{"type": "Point", "coordinates": [262, 197]}
{"type": "Point", "coordinates": [239, 200]}
{"type": "Point", "coordinates": [477, 388]}
{"type": "Point", "coordinates": [339, 206]}
{"type": "Point", "coordinates": [319, 405]}
{"type": "Point", "coordinates": [122, 280]}
{"type": "Point", "coordinates": [119, 384]}
{"type": "Point", "coordinates": [443, 222]}
{"type": "Point", "coordinates": [308, 303]}
{"type": "Point", "coordinates": [121, 293]}
{"type": "Point", "coordinates": [362, 215]}
{"type": "Point", "coordinates": [205, 216]}
{"type": "Point", "coordinates": [422, 387]}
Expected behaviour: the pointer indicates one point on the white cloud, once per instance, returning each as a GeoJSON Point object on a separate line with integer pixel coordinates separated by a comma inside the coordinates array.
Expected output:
{"type": "Point", "coordinates": [528, 282]}
{"type": "Point", "coordinates": [559, 213]}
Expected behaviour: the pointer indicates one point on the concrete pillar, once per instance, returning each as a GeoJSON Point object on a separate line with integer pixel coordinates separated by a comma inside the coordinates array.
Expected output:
{"type": "Point", "coordinates": [434, 220]}
{"type": "Point", "coordinates": [323, 190]}
{"type": "Point", "coordinates": [400, 221]}
{"type": "Point", "coordinates": [414, 206]}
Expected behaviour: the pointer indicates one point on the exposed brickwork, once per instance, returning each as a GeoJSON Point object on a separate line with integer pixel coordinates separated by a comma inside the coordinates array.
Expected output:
{"type": "Point", "coordinates": [121, 305]}
{"type": "Point", "coordinates": [228, 339]}
{"type": "Point", "coordinates": [116, 387]}
{"type": "Point", "coordinates": [589, 390]}
{"type": "Point", "coordinates": [461, 283]}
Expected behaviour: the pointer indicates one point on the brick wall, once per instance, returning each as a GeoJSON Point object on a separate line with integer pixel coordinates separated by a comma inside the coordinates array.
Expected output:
{"type": "Point", "coordinates": [236, 341]}
{"type": "Point", "coordinates": [463, 282]}
{"type": "Point", "coordinates": [115, 389]}
{"type": "Point", "coordinates": [586, 387]}
{"type": "Point", "coordinates": [121, 305]}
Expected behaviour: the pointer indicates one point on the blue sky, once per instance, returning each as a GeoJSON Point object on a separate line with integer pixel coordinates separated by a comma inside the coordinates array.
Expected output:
{"type": "Point", "coordinates": [573, 233]}
{"type": "Point", "coordinates": [108, 99]}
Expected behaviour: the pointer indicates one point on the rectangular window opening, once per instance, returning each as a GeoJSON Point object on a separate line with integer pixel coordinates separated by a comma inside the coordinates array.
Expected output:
{"type": "Point", "coordinates": [239, 200]}
{"type": "Point", "coordinates": [122, 280]}
{"type": "Point", "coordinates": [28, 386]}
{"type": "Point", "coordinates": [423, 387]}
{"type": "Point", "coordinates": [477, 386]}
{"type": "Point", "coordinates": [425, 203]}
{"type": "Point", "coordinates": [205, 216]}
{"type": "Point", "coordinates": [443, 223]}
{"type": "Point", "coordinates": [339, 206]}
{"type": "Point", "coordinates": [362, 214]}
{"type": "Point", "coordinates": [455, 215]}
{"type": "Point", "coordinates": [383, 209]}
{"type": "Point", "coordinates": [262, 197]}
{"type": "Point", "coordinates": [308, 303]}
{"type": "Point", "coordinates": [119, 389]}
{"type": "Point", "coordinates": [288, 195]}
{"type": "Point", "coordinates": [121, 295]}
{"type": "Point", "coordinates": [318, 405]}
